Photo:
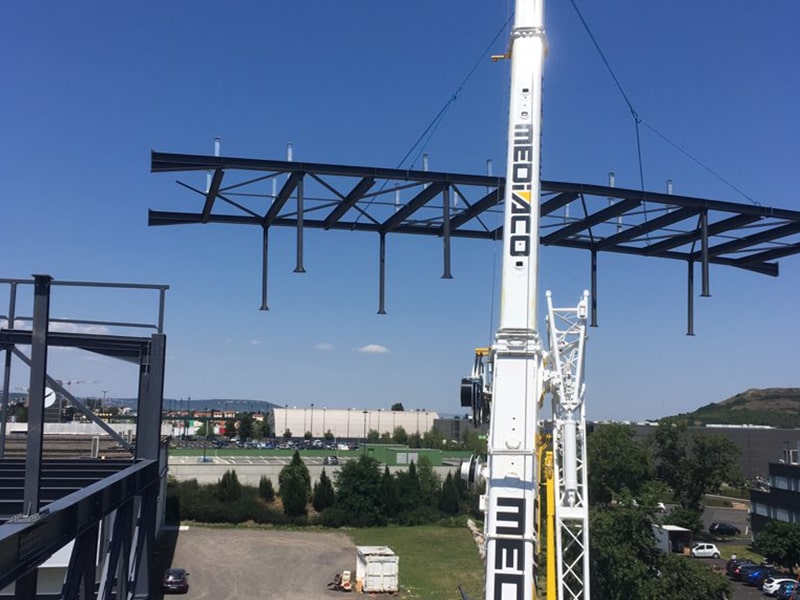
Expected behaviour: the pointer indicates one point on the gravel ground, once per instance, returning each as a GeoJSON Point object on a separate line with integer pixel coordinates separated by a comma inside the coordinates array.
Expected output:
{"type": "Point", "coordinates": [227, 564]}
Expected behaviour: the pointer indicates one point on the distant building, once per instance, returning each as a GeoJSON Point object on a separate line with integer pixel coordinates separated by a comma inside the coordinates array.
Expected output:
{"type": "Point", "coordinates": [781, 500]}
{"type": "Point", "coordinates": [758, 445]}
{"type": "Point", "coordinates": [348, 423]}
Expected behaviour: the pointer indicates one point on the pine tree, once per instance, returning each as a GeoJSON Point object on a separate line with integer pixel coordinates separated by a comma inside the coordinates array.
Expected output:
{"type": "Point", "coordinates": [388, 494]}
{"type": "Point", "coordinates": [229, 488]}
{"type": "Point", "coordinates": [296, 465]}
{"type": "Point", "coordinates": [265, 489]}
{"type": "Point", "coordinates": [294, 494]}
{"type": "Point", "coordinates": [449, 500]}
{"type": "Point", "coordinates": [324, 496]}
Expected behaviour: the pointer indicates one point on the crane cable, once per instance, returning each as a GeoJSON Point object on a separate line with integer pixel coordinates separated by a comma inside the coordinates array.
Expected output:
{"type": "Point", "coordinates": [434, 124]}
{"type": "Point", "coordinates": [428, 132]}
{"type": "Point", "coordinates": [638, 119]}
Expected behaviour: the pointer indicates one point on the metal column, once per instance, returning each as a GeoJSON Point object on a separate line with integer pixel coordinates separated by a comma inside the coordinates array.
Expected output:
{"type": "Point", "coordinates": [26, 585]}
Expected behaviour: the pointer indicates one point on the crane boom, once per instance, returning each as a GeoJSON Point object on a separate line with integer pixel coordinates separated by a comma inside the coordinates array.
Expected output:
{"type": "Point", "coordinates": [507, 391]}
{"type": "Point", "coordinates": [517, 351]}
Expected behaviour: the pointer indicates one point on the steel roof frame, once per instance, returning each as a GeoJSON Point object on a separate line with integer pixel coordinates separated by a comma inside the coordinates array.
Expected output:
{"type": "Point", "coordinates": [452, 205]}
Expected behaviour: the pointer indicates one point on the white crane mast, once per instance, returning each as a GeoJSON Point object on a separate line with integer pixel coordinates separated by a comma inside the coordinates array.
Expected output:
{"type": "Point", "coordinates": [517, 351]}
{"type": "Point", "coordinates": [522, 372]}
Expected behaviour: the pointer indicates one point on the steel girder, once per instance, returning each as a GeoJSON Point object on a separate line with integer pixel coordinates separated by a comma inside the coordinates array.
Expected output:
{"type": "Point", "coordinates": [27, 542]}
{"type": "Point", "coordinates": [596, 218]}
{"type": "Point", "coordinates": [608, 219]}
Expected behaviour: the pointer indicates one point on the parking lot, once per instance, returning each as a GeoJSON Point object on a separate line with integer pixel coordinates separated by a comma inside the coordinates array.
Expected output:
{"type": "Point", "coordinates": [240, 564]}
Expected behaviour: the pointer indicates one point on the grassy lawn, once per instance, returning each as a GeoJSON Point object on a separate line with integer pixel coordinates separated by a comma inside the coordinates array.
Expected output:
{"type": "Point", "coordinates": [434, 560]}
{"type": "Point", "coordinates": [741, 551]}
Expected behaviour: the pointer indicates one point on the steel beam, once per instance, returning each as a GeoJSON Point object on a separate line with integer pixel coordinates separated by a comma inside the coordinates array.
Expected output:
{"type": "Point", "coordinates": [280, 200]}
{"type": "Point", "coordinates": [636, 231]}
{"type": "Point", "coordinates": [553, 204]}
{"type": "Point", "coordinates": [356, 194]}
{"type": "Point", "coordinates": [299, 268]}
{"type": "Point", "coordinates": [264, 267]}
{"type": "Point", "coordinates": [417, 202]}
{"type": "Point", "coordinates": [446, 274]}
{"type": "Point", "coordinates": [381, 276]}
{"type": "Point", "coordinates": [151, 399]}
{"type": "Point", "coordinates": [716, 228]}
{"type": "Point", "coordinates": [163, 162]}
{"type": "Point", "coordinates": [600, 216]}
{"type": "Point", "coordinates": [79, 579]}
{"type": "Point", "coordinates": [761, 237]}
{"type": "Point", "coordinates": [211, 194]}
{"type": "Point", "coordinates": [491, 199]}
{"type": "Point", "coordinates": [38, 376]}
{"type": "Point", "coordinates": [27, 543]}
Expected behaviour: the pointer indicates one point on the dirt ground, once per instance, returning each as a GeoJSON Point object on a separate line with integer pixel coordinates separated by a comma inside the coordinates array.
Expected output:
{"type": "Point", "coordinates": [227, 564]}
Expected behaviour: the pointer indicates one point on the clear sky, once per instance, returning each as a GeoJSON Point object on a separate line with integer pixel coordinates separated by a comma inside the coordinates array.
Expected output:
{"type": "Point", "coordinates": [89, 88]}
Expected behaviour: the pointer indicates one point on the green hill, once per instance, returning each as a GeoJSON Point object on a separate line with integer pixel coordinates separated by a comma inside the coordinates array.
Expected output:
{"type": "Point", "coordinates": [776, 407]}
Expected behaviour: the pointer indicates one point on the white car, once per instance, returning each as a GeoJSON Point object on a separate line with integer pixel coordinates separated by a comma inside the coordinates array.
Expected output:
{"type": "Point", "coordinates": [705, 551]}
{"type": "Point", "coordinates": [771, 584]}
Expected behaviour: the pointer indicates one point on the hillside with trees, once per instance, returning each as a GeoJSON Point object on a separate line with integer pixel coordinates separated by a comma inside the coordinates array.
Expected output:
{"type": "Point", "coordinates": [774, 407]}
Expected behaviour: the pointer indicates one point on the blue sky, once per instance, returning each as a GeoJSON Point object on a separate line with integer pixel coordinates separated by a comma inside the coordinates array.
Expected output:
{"type": "Point", "coordinates": [89, 88]}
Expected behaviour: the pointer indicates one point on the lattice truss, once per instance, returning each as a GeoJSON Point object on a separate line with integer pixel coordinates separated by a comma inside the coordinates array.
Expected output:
{"type": "Point", "coordinates": [271, 193]}
{"type": "Point", "coordinates": [564, 380]}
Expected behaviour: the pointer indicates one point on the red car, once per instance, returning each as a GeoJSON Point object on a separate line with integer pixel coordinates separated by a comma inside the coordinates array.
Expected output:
{"type": "Point", "coordinates": [174, 580]}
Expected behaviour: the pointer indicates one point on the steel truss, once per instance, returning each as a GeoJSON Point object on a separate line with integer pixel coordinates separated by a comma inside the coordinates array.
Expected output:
{"type": "Point", "coordinates": [598, 219]}
{"type": "Point", "coordinates": [45, 504]}
{"type": "Point", "coordinates": [564, 380]}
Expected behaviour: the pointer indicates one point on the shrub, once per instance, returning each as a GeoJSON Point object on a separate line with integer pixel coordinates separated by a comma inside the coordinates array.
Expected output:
{"type": "Point", "coordinates": [294, 494]}
{"type": "Point", "coordinates": [324, 495]}
{"type": "Point", "coordinates": [265, 489]}
{"type": "Point", "coordinates": [229, 488]}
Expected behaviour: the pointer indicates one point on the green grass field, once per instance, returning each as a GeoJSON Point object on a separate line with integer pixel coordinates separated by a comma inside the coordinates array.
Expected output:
{"type": "Point", "coordinates": [434, 560]}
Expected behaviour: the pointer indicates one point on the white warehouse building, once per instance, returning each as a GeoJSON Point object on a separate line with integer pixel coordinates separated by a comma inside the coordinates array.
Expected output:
{"type": "Point", "coordinates": [349, 423]}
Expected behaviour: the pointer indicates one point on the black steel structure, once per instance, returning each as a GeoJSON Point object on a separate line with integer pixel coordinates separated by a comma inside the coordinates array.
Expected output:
{"type": "Point", "coordinates": [107, 508]}
{"type": "Point", "coordinates": [587, 217]}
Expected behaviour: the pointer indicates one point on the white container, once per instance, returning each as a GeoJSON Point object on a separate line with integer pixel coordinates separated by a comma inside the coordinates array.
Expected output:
{"type": "Point", "coordinates": [377, 569]}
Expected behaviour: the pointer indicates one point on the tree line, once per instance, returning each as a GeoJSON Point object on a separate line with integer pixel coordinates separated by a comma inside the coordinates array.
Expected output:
{"type": "Point", "coordinates": [361, 494]}
{"type": "Point", "coordinates": [629, 476]}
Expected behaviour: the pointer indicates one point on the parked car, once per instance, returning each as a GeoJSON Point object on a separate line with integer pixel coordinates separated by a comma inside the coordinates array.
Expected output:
{"type": "Point", "coordinates": [787, 590]}
{"type": "Point", "coordinates": [704, 550]}
{"type": "Point", "coordinates": [771, 584]}
{"type": "Point", "coordinates": [661, 508]}
{"type": "Point", "coordinates": [330, 460]}
{"type": "Point", "coordinates": [724, 529]}
{"type": "Point", "coordinates": [174, 580]}
{"type": "Point", "coordinates": [736, 562]}
{"type": "Point", "coordinates": [756, 577]}
{"type": "Point", "coordinates": [744, 571]}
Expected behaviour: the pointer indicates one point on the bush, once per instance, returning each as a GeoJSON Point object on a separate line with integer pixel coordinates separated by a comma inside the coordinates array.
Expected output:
{"type": "Point", "coordinates": [335, 516]}
{"type": "Point", "coordinates": [294, 494]}
{"type": "Point", "coordinates": [324, 495]}
{"type": "Point", "coordinates": [265, 489]}
{"type": "Point", "coordinates": [229, 488]}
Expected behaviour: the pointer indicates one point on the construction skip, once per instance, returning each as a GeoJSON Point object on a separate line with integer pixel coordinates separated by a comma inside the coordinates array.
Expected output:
{"type": "Point", "coordinates": [377, 569]}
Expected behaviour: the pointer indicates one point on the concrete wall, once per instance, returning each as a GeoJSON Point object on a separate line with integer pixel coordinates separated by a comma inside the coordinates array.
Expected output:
{"type": "Point", "coordinates": [250, 474]}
